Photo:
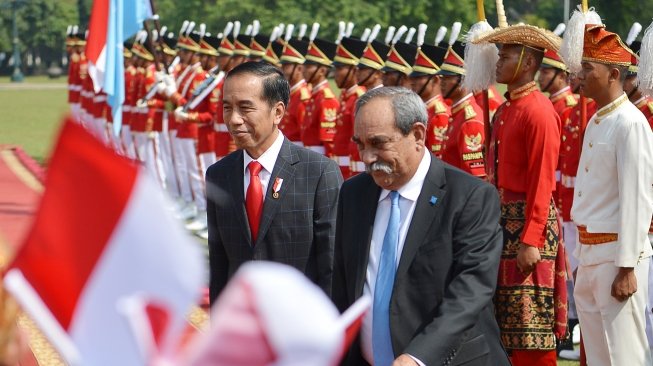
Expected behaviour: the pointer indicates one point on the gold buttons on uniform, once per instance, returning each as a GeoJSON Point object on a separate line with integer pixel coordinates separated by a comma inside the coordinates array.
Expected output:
{"type": "Point", "coordinates": [501, 123]}
{"type": "Point", "coordinates": [498, 142]}
{"type": "Point", "coordinates": [591, 145]}
{"type": "Point", "coordinates": [568, 148]}
{"type": "Point", "coordinates": [580, 194]}
{"type": "Point", "coordinates": [507, 104]}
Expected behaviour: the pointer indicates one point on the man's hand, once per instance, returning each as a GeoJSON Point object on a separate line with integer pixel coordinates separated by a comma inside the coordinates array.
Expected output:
{"type": "Point", "coordinates": [624, 284]}
{"type": "Point", "coordinates": [405, 360]}
{"type": "Point", "coordinates": [180, 114]}
{"type": "Point", "coordinates": [527, 257]}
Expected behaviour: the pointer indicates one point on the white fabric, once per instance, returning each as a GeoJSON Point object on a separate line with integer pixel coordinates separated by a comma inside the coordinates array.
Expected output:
{"type": "Point", "coordinates": [171, 181]}
{"type": "Point", "coordinates": [127, 266]}
{"type": "Point", "coordinates": [614, 332]}
{"type": "Point", "coordinates": [649, 304]}
{"type": "Point", "coordinates": [267, 160]}
{"type": "Point", "coordinates": [570, 234]}
{"type": "Point", "coordinates": [408, 195]}
{"type": "Point", "coordinates": [153, 162]}
{"type": "Point", "coordinates": [140, 145]}
{"type": "Point", "coordinates": [191, 165]}
{"type": "Point", "coordinates": [128, 142]}
{"type": "Point", "coordinates": [613, 185]}
{"type": "Point", "coordinates": [206, 160]}
{"type": "Point", "coordinates": [568, 181]}
{"type": "Point", "coordinates": [182, 169]}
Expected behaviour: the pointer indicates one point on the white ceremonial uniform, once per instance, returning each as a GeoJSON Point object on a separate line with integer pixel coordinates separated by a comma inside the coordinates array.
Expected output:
{"type": "Point", "coordinates": [614, 195]}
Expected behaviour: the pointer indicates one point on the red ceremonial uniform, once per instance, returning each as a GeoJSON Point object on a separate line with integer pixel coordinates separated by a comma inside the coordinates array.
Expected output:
{"type": "Point", "coordinates": [291, 124]}
{"type": "Point", "coordinates": [138, 118]}
{"type": "Point", "coordinates": [345, 129]}
{"type": "Point", "coordinates": [463, 144]}
{"type": "Point", "coordinates": [74, 82]}
{"type": "Point", "coordinates": [188, 84]}
{"type": "Point", "coordinates": [524, 156]}
{"type": "Point", "coordinates": [130, 94]}
{"type": "Point", "coordinates": [320, 120]}
{"type": "Point", "coordinates": [645, 104]}
{"type": "Point", "coordinates": [224, 144]}
{"type": "Point", "coordinates": [438, 113]}
{"type": "Point", "coordinates": [570, 155]}
{"type": "Point", "coordinates": [563, 100]}
{"type": "Point", "coordinates": [153, 119]}
{"type": "Point", "coordinates": [204, 115]}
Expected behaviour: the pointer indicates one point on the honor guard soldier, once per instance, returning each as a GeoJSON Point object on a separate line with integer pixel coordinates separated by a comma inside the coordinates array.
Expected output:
{"type": "Point", "coordinates": [642, 101]}
{"type": "Point", "coordinates": [348, 53]}
{"type": "Point", "coordinates": [426, 83]}
{"type": "Point", "coordinates": [241, 46]}
{"type": "Point", "coordinates": [273, 52]}
{"type": "Point", "coordinates": [129, 103]}
{"type": "Point", "coordinates": [319, 124]}
{"type": "Point", "coordinates": [369, 74]}
{"type": "Point", "coordinates": [292, 65]}
{"type": "Point", "coordinates": [399, 62]}
{"type": "Point", "coordinates": [530, 299]}
{"type": "Point", "coordinates": [223, 142]}
{"type": "Point", "coordinates": [465, 138]}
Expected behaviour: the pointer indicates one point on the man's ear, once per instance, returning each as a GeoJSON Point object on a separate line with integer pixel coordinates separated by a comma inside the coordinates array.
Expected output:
{"type": "Point", "coordinates": [278, 110]}
{"type": "Point", "coordinates": [419, 131]}
{"type": "Point", "coordinates": [615, 74]}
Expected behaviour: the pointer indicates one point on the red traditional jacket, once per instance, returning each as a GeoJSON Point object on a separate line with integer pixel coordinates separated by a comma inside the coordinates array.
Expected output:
{"type": "Point", "coordinates": [645, 104]}
{"type": "Point", "coordinates": [524, 155]}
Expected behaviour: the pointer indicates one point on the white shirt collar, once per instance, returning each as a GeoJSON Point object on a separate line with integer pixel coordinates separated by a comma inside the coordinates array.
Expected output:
{"type": "Point", "coordinates": [413, 188]}
{"type": "Point", "coordinates": [462, 100]}
{"type": "Point", "coordinates": [560, 91]}
{"type": "Point", "coordinates": [268, 158]}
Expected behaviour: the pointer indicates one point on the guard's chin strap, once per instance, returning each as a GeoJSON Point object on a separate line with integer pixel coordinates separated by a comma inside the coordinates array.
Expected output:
{"type": "Point", "coordinates": [425, 84]}
{"type": "Point", "coordinates": [310, 80]}
{"type": "Point", "coordinates": [548, 85]}
{"type": "Point", "coordinates": [454, 87]}
{"type": "Point", "coordinates": [350, 67]}
{"type": "Point", "coordinates": [364, 81]}
{"type": "Point", "coordinates": [521, 57]}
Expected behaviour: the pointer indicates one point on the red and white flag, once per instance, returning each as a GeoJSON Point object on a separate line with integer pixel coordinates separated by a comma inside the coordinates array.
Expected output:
{"type": "Point", "coordinates": [101, 242]}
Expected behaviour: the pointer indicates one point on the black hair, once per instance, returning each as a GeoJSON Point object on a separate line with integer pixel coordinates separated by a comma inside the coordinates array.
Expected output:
{"type": "Point", "coordinates": [623, 72]}
{"type": "Point", "coordinates": [275, 86]}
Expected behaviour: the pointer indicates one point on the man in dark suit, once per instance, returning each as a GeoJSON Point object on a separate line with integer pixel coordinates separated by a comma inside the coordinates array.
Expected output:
{"type": "Point", "coordinates": [422, 239]}
{"type": "Point", "coordinates": [271, 199]}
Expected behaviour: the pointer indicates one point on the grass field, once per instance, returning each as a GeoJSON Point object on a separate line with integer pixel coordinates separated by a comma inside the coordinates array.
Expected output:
{"type": "Point", "coordinates": [30, 114]}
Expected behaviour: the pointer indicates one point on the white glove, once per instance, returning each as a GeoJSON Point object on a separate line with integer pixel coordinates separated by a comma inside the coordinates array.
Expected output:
{"type": "Point", "coordinates": [170, 85]}
{"type": "Point", "coordinates": [161, 87]}
{"type": "Point", "coordinates": [141, 103]}
{"type": "Point", "coordinates": [180, 114]}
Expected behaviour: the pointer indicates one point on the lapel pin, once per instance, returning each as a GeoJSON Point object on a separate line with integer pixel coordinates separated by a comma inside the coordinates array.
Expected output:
{"type": "Point", "coordinates": [276, 187]}
{"type": "Point", "coordinates": [433, 200]}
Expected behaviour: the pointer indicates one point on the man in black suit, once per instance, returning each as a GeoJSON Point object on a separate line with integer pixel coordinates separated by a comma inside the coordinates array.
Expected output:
{"type": "Point", "coordinates": [422, 239]}
{"type": "Point", "coordinates": [269, 200]}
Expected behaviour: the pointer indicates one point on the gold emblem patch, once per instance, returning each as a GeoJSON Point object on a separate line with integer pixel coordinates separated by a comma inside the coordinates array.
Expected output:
{"type": "Point", "coordinates": [473, 142]}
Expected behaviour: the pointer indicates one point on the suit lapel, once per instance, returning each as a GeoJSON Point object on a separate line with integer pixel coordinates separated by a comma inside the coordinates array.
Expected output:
{"type": "Point", "coordinates": [283, 169]}
{"type": "Point", "coordinates": [236, 188]}
{"type": "Point", "coordinates": [363, 229]}
{"type": "Point", "coordinates": [425, 213]}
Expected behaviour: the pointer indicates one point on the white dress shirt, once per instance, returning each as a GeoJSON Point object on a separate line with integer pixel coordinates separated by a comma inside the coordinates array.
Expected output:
{"type": "Point", "coordinates": [614, 185]}
{"type": "Point", "coordinates": [267, 160]}
{"type": "Point", "coordinates": [408, 195]}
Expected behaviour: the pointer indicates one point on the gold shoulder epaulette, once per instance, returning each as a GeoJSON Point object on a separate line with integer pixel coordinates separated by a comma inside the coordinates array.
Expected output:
{"type": "Point", "coordinates": [328, 94]}
{"type": "Point", "coordinates": [571, 101]}
{"type": "Point", "coordinates": [304, 94]}
{"type": "Point", "coordinates": [650, 106]}
{"type": "Point", "coordinates": [74, 57]}
{"type": "Point", "coordinates": [439, 107]}
{"type": "Point", "coordinates": [469, 112]}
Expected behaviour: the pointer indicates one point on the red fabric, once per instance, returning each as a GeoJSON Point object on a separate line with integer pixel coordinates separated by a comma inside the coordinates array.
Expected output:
{"type": "Point", "coordinates": [494, 97]}
{"type": "Point", "coordinates": [601, 45]}
{"type": "Point", "coordinates": [562, 103]}
{"type": "Point", "coordinates": [533, 358]}
{"type": "Point", "coordinates": [463, 145]}
{"type": "Point", "coordinates": [295, 113]}
{"type": "Point", "coordinates": [97, 30]}
{"type": "Point", "coordinates": [345, 121]}
{"type": "Point", "coordinates": [438, 113]}
{"type": "Point", "coordinates": [56, 234]}
{"type": "Point", "coordinates": [646, 106]}
{"type": "Point", "coordinates": [527, 135]}
{"type": "Point", "coordinates": [73, 78]}
{"type": "Point", "coordinates": [321, 113]}
{"type": "Point", "coordinates": [570, 153]}
{"type": "Point", "coordinates": [138, 119]}
{"type": "Point", "coordinates": [184, 129]}
{"type": "Point", "coordinates": [254, 198]}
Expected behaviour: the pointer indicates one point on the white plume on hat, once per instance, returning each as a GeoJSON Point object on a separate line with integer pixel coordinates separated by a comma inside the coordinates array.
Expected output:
{"type": "Point", "coordinates": [633, 33]}
{"type": "Point", "coordinates": [366, 34]}
{"type": "Point", "coordinates": [390, 34]}
{"type": "Point", "coordinates": [350, 29]}
{"type": "Point", "coordinates": [439, 36]}
{"type": "Point", "coordinates": [314, 30]}
{"type": "Point", "coordinates": [421, 32]}
{"type": "Point", "coordinates": [400, 33]}
{"type": "Point", "coordinates": [645, 72]}
{"type": "Point", "coordinates": [302, 30]}
{"type": "Point", "coordinates": [571, 49]}
{"type": "Point", "coordinates": [560, 29]}
{"type": "Point", "coordinates": [410, 35]}
{"type": "Point", "coordinates": [480, 59]}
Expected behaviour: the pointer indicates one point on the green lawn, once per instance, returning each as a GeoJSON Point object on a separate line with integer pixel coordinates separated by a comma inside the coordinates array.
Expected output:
{"type": "Point", "coordinates": [30, 117]}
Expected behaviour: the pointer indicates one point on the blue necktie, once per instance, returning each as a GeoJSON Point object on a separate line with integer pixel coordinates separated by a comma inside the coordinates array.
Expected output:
{"type": "Point", "coordinates": [385, 279]}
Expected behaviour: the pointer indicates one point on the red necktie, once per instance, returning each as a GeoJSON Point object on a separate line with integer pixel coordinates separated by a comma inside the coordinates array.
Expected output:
{"type": "Point", "coordinates": [254, 199]}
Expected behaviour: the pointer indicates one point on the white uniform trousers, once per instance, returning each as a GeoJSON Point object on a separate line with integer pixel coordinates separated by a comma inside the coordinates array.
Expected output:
{"type": "Point", "coordinates": [649, 305]}
{"type": "Point", "coordinates": [188, 153]}
{"type": "Point", "coordinates": [614, 332]}
{"type": "Point", "coordinates": [167, 158]}
{"type": "Point", "coordinates": [128, 142]}
{"type": "Point", "coordinates": [181, 170]}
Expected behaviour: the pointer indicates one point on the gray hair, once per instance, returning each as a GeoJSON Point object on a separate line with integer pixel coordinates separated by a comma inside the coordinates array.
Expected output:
{"type": "Point", "coordinates": [408, 107]}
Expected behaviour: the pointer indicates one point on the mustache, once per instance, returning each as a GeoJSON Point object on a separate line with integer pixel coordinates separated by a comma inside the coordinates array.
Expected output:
{"type": "Point", "coordinates": [379, 166]}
